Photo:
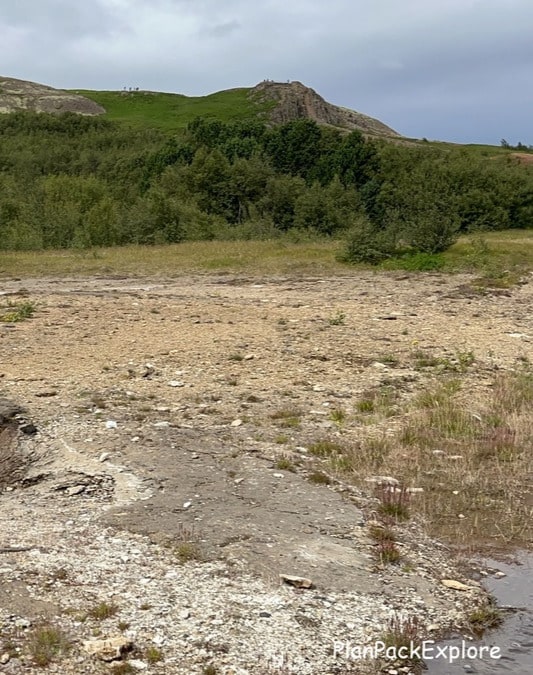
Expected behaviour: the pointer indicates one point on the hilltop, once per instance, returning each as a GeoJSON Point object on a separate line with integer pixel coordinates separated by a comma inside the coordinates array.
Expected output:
{"type": "Point", "coordinates": [273, 102]}
{"type": "Point", "coordinates": [23, 95]}
{"type": "Point", "coordinates": [293, 100]}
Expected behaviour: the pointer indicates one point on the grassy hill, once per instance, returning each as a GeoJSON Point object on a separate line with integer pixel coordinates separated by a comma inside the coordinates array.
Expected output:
{"type": "Point", "coordinates": [171, 112]}
{"type": "Point", "coordinates": [277, 102]}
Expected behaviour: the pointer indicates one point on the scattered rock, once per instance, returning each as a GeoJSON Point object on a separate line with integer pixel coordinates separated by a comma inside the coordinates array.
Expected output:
{"type": "Point", "coordinates": [456, 585]}
{"type": "Point", "coordinates": [110, 649]}
{"type": "Point", "coordinates": [28, 429]}
{"type": "Point", "coordinates": [297, 582]}
{"type": "Point", "coordinates": [75, 490]}
{"type": "Point", "coordinates": [383, 480]}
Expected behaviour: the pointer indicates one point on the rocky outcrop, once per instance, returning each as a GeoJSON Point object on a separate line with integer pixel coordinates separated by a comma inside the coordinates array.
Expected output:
{"type": "Point", "coordinates": [22, 95]}
{"type": "Point", "coordinates": [293, 100]}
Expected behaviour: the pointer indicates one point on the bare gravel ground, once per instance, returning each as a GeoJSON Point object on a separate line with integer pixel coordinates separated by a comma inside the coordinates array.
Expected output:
{"type": "Point", "coordinates": [154, 483]}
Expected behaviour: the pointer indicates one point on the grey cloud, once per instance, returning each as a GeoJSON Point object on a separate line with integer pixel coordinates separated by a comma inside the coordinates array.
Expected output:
{"type": "Point", "coordinates": [224, 29]}
{"type": "Point", "coordinates": [433, 66]}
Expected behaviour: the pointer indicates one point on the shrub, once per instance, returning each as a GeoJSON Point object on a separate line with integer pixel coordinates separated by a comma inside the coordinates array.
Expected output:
{"type": "Point", "coordinates": [366, 243]}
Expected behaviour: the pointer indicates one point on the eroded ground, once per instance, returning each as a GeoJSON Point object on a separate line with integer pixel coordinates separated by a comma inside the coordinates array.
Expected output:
{"type": "Point", "coordinates": [170, 474]}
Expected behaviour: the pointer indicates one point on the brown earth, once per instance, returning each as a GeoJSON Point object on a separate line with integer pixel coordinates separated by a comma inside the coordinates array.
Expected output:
{"type": "Point", "coordinates": [163, 407]}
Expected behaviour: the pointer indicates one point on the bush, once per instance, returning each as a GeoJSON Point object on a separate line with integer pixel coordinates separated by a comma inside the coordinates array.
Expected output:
{"type": "Point", "coordinates": [366, 243]}
{"type": "Point", "coordinates": [431, 230]}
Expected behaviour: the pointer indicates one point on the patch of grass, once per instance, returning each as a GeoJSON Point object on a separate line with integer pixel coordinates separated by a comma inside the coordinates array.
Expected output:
{"type": "Point", "coordinates": [423, 359]}
{"type": "Point", "coordinates": [437, 396]}
{"type": "Point", "coordinates": [366, 405]}
{"type": "Point", "coordinates": [380, 400]}
{"type": "Point", "coordinates": [102, 611]}
{"type": "Point", "coordinates": [492, 253]}
{"type": "Point", "coordinates": [403, 631]}
{"type": "Point", "coordinates": [416, 262]}
{"type": "Point", "coordinates": [47, 642]}
{"type": "Point", "coordinates": [484, 618]}
{"type": "Point", "coordinates": [287, 417]}
{"type": "Point", "coordinates": [319, 478]}
{"type": "Point", "coordinates": [512, 249]}
{"type": "Point", "coordinates": [467, 451]}
{"type": "Point", "coordinates": [273, 257]}
{"type": "Point", "coordinates": [381, 533]}
{"type": "Point", "coordinates": [153, 655]}
{"type": "Point", "coordinates": [339, 319]}
{"type": "Point", "coordinates": [122, 668]}
{"type": "Point", "coordinates": [285, 464]}
{"type": "Point", "coordinates": [513, 394]}
{"type": "Point", "coordinates": [458, 362]}
{"type": "Point", "coordinates": [387, 552]}
{"type": "Point", "coordinates": [388, 359]}
{"type": "Point", "coordinates": [13, 312]}
{"type": "Point", "coordinates": [338, 415]}
{"type": "Point", "coordinates": [171, 112]}
{"type": "Point", "coordinates": [187, 551]}
{"type": "Point", "coordinates": [394, 502]}
{"type": "Point", "coordinates": [325, 448]}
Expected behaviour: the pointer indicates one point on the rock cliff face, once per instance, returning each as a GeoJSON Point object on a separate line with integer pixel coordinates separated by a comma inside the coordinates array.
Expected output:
{"type": "Point", "coordinates": [22, 95]}
{"type": "Point", "coordinates": [296, 101]}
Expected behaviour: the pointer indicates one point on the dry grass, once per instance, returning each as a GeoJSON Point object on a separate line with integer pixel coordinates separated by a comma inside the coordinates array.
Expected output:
{"type": "Point", "coordinates": [499, 256]}
{"type": "Point", "coordinates": [46, 644]}
{"type": "Point", "coordinates": [467, 453]}
{"type": "Point", "coordinates": [103, 610]}
{"type": "Point", "coordinates": [257, 257]}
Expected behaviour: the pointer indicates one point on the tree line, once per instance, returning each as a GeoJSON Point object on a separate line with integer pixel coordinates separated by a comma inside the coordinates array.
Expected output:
{"type": "Point", "coordinates": [74, 181]}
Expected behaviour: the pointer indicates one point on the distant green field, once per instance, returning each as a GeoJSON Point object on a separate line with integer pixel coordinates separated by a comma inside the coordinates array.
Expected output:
{"type": "Point", "coordinates": [174, 111]}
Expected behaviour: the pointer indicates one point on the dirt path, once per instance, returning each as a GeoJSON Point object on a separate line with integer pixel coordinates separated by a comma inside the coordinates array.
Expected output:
{"type": "Point", "coordinates": [163, 408]}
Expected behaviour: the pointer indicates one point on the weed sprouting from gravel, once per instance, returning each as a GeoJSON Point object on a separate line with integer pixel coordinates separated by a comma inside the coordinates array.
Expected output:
{"type": "Point", "coordinates": [285, 464]}
{"type": "Point", "coordinates": [484, 618]}
{"type": "Point", "coordinates": [403, 631]}
{"type": "Point", "coordinates": [153, 655]}
{"type": "Point", "coordinates": [13, 312]}
{"type": "Point", "coordinates": [104, 610]}
{"type": "Point", "coordinates": [123, 668]}
{"type": "Point", "coordinates": [319, 478]}
{"type": "Point", "coordinates": [47, 642]}
{"type": "Point", "coordinates": [394, 502]}
{"type": "Point", "coordinates": [287, 417]}
{"type": "Point", "coordinates": [325, 448]}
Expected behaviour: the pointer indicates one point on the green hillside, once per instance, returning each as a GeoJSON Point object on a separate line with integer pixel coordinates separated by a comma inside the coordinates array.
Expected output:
{"type": "Point", "coordinates": [170, 112]}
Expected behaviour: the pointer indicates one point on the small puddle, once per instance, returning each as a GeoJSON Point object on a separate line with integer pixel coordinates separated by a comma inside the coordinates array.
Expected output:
{"type": "Point", "coordinates": [514, 637]}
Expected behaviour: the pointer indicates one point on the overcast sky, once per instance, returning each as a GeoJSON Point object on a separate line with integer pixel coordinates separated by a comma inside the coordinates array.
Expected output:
{"type": "Point", "coordinates": [455, 70]}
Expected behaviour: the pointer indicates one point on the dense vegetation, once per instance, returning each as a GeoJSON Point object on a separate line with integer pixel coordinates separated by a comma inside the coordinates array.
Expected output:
{"type": "Point", "coordinates": [72, 181]}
